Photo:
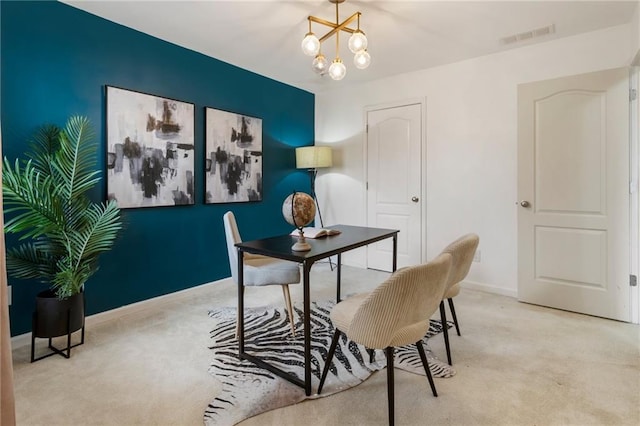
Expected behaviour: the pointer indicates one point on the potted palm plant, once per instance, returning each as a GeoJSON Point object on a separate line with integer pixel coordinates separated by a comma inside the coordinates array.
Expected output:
{"type": "Point", "coordinates": [62, 230]}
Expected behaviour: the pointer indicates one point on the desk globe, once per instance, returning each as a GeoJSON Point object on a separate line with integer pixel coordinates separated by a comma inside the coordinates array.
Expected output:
{"type": "Point", "coordinates": [299, 210]}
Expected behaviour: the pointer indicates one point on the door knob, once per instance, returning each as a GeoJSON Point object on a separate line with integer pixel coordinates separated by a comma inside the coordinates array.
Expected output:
{"type": "Point", "coordinates": [415, 199]}
{"type": "Point", "coordinates": [525, 203]}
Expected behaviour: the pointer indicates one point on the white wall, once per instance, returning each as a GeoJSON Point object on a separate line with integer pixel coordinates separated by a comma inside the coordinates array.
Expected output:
{"type": "Point", "coordinates": [635, 34]}
{"type": "Point", "coordinates": [635, 30]}
{"type": "Point", "coordinates": [471, 143]}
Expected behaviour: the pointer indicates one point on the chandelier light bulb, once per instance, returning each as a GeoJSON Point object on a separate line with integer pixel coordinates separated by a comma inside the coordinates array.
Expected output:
{"type": "Point", "coordinates": [337, 70]}
{"type": "Point", "coordinates": [320, 64]}
{"type": "Point", "coordinates": [357, 41]}
{"type": "Point", "coordinates": [310, 44]}
{"type": "Point", "coordinates": [362, 59]}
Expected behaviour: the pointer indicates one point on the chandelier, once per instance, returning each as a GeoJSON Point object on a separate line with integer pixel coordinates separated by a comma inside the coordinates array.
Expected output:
{"type": "Point", "coordinates": [311, 45]}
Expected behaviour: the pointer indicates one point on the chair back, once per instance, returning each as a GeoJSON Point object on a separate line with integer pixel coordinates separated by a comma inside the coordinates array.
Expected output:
{"type": "Point", "coordinates": [233, 237]}
{"type": "Point", "coordinates": [397, 312]}
{"type": "Point", "coordinates": [462, 251]}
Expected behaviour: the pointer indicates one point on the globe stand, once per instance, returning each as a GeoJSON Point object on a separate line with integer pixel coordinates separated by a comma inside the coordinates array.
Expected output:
{"type": "Point", "coordinates": [299, 209]}
{"type": "Point", "coordinates": [302, 244]}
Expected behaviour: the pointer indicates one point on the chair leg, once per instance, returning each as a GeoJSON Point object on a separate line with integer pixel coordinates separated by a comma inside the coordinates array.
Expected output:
{"type": "Point", "coordinates": [327, 363]}
{"type": "Point", "coordinates": [390, 383]}
{"type": "Point", "coordinates": [372, 355]}
{"type": "Point", "coordinates": [443, 318]}
{"type": "Point", "coordinates": [453, 314]}
{"type": "Point", "coordinates": [287, 301]}
{"type": "Point", "coordinates": [425, 364]}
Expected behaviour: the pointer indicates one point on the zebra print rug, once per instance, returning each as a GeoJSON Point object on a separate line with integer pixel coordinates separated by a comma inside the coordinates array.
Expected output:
{"type": "Point", "coordinates": [248, 390]}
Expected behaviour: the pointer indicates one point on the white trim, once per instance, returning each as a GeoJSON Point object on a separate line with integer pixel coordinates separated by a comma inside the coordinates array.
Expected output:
{"type": "Point", "coordinates": [423, 172]}
{"type": "Point", "coordinates": [487, 288]}
{"type": "Point", "coordinates": [634, 210]}
{"type": "Point", "coordinates": [471, 285]}
{"type": "Point", "coordinates": [365, 174]}
{"type": "Point", "coordinates": [102, 317]}
{"type": "Point", "coordinates": [22, 340]}
{"type": "Point", "coordinates": [351, 261]}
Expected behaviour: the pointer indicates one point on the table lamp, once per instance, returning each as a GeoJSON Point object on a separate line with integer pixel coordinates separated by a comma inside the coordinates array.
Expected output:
{"type": "Point", "coordinates": [312, 158]}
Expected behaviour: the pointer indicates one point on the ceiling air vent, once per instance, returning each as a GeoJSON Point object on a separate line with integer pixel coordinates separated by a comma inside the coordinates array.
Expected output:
{"type": "Point", "coordinates": [528, 35]}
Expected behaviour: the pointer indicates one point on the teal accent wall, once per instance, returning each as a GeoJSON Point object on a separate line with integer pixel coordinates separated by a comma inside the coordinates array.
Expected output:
{"type": "Point", "coordinates": [56, 61]}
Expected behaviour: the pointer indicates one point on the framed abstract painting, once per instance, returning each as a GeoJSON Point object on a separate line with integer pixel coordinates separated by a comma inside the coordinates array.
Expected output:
{"type": "Point", "coordinates": [150, 149]}
{"type": "Point", "coordinates": [233, 159]}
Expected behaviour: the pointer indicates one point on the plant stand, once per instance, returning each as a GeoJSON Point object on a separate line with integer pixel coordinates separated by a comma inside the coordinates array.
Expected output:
{"type": "Point", "coordinates": [56, 318]}
{"type": "Point", "coordinates": [53, 349]}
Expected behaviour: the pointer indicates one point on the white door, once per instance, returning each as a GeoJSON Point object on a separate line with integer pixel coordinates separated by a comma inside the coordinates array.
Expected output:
{"type": "Point", "coordinates": [573, 189]}
{"type": "Point", "coordinates": [394, 183]}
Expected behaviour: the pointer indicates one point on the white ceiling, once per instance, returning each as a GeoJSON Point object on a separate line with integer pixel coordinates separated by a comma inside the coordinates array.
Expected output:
{"type": "Point", "coordinates": [264, 36]}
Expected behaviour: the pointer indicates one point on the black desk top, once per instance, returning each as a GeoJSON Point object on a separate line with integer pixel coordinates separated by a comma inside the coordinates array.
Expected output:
{"type": "Point", "coordinates": [351, 237]}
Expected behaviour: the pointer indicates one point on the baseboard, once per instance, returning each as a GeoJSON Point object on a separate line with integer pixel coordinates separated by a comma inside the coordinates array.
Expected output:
{"type": "Point", "coordinates": [101, 317]}
{"type": "Point", "coordinates": [472, 285]}
{"type": "Point", "coordinates": [92, 320]}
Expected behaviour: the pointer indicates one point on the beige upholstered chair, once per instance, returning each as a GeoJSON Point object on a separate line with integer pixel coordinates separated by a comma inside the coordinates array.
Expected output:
{"type": "Point", "coordinates": [396, 313]}
{"type": "Point", "coordinates": [260, 270]}
{"type": "Point", "coordinates": [462, 251]}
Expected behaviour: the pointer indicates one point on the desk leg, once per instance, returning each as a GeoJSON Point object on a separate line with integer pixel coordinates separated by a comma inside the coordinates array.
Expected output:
{"type": "Point", "coordinates": [240, 303]}
{"type": "Point", "coordinates": [338, 277]}
{"type": "Point", "coordinates": [395, 253]}
{"type": "Point", "coordinates": [306, 267]}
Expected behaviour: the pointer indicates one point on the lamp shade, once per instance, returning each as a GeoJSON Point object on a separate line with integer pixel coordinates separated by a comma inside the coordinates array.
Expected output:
{"type": "Point", "coordinates": [313, 157]}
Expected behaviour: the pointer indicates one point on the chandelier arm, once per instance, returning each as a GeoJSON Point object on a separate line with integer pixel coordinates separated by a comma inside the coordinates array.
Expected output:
{"type": "Point", "coordinates": [322, 21]}
{"type": "Point", "coordinates": [336, 28]}
{"type": "Point", "coordinates": [333, 24]}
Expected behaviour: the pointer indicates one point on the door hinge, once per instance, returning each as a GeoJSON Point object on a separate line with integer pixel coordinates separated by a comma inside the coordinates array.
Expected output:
{"type": "Point", "coordinates": [367, 128]}
{"type": "Point", "coordinates": [633, 280]}
{"type": "Point", "coordinates": [366, 186]}
{"type": "Point", "coordinates": [633, 94]}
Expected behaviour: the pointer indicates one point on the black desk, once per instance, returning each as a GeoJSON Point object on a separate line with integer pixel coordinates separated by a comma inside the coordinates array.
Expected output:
{"type": "Point", "coordinates": [351, 237]}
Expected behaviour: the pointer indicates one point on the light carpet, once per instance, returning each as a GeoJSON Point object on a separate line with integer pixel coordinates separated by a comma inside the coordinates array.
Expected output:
{"type": "Point", "coordinates": [248, 390]}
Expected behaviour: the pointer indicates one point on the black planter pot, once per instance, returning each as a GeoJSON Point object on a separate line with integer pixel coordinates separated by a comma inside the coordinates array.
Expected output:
{"type": "Point", "coordinates": [55, 317]}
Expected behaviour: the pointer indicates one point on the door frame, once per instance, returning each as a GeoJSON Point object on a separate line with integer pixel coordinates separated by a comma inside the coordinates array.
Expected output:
{"type": "Point", "coordinates": [634, 201]}
{"type": "Point", "coordinates": [422, 101]}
